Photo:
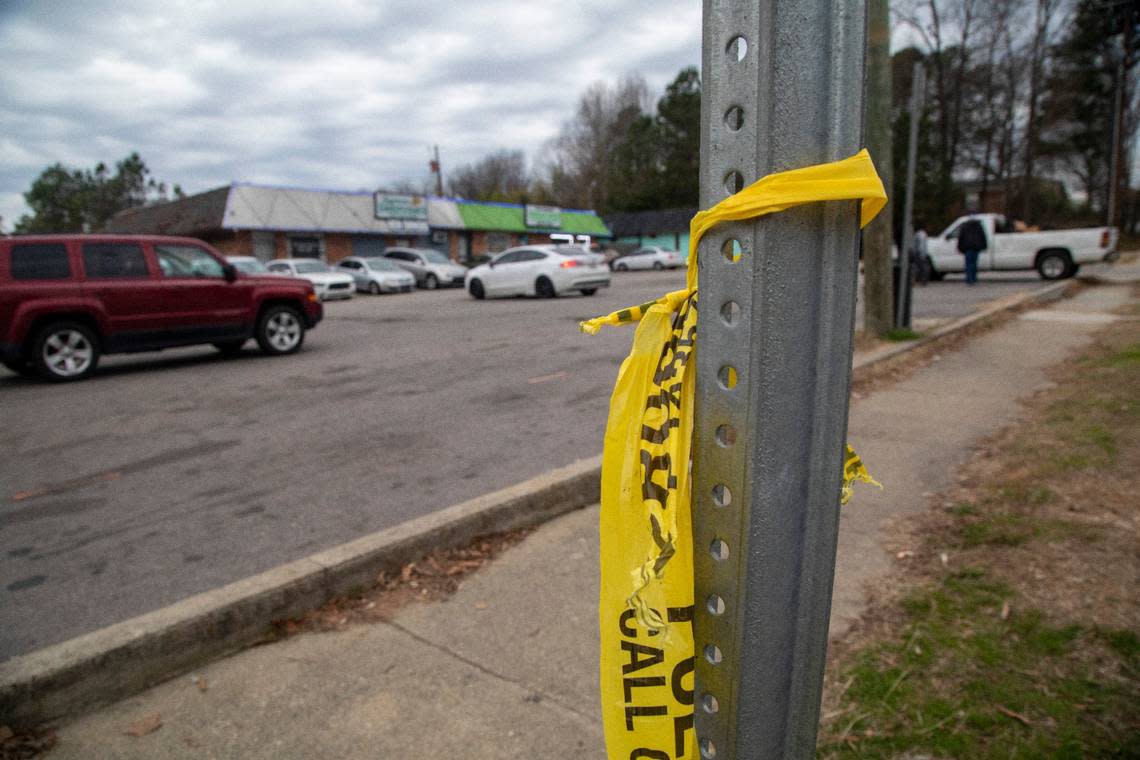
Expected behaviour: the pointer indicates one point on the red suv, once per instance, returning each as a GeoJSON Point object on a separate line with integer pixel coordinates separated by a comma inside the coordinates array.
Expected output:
{"type": "Point", "coordinates": [67, 299]}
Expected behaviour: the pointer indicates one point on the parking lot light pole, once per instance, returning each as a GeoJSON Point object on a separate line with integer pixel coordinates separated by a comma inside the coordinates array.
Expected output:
{"type": "Point", "coordinates": [917, 88]}
{"type": "Point", "coordinates": [782, 88]}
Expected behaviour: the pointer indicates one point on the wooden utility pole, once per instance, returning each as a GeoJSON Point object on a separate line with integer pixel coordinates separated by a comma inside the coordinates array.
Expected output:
{"type": "Point", "coordinates": [878, 315]}
{"type": "Point", "coordinates": [1128, 21]}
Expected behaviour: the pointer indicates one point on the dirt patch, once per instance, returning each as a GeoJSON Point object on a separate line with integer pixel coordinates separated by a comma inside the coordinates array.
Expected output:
{"type": "Point", "coordinates": [431, 578]}
{"type": "Point", "coordinates": [1010, 627]}
{"type": "Point", "coordinates": [26, 745]}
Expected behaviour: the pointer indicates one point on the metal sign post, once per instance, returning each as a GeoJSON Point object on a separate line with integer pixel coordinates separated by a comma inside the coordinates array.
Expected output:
{"type": "Point", "coordinates": [917, 88]}
{"type": "Point", "coordinates": [782, 88]}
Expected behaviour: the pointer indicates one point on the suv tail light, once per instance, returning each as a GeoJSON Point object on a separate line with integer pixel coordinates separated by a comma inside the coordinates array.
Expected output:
{"type": "Point", "coordinates": [1105, 237]}
{"type": "Point", "coordinates": [569, 263]}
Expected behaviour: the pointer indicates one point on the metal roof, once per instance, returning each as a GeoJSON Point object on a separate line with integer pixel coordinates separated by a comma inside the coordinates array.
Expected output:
{"type": "Point", "coordinates": [243, 206]}
{"type": "Point", "coordinates": [253, 207]}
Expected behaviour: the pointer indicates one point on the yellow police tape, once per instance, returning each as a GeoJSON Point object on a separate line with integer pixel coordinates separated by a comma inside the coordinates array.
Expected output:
{"type": "Point", "coordinates": [645, 612]}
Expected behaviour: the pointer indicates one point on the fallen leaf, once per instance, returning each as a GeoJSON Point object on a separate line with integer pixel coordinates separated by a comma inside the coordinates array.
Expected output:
{"type": "Point", "coordinates": [945, 558]}
{"type": "Point", "coordinates": [147, 725]}
{"type": "Point", "coordinates": [1004, 610]}
{"type": "Point", "coordinates": [907, 554]}
{"type": "Point", "coordinates": [203, 684]}
{"type": "Point", "coordinates": [1011, 714]}
{"type": "Point", "coordinates": [409, 568]}
{"type": "Point", "coordinates": [480, 605]}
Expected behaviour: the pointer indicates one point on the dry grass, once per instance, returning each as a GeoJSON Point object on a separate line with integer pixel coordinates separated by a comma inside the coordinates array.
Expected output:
{"type": "Point", "coordinates": [1010, 628]}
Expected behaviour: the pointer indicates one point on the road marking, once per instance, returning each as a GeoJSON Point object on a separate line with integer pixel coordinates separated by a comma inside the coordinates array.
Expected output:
{"type": "Point", "coordinates": [545, 378]}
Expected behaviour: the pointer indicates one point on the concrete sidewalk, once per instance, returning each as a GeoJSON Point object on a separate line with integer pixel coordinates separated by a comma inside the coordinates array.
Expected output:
{"type": "Point", "coordinates": [506, 668]}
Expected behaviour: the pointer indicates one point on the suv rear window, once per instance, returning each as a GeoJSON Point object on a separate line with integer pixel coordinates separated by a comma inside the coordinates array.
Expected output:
{"type": "Point", "coordinates": [40, 261]}
{"type": "Point", "coordinates": [101, 260]}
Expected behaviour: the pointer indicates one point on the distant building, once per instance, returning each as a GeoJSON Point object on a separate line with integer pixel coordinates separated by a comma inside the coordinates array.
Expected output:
{"type": "Point", "coordinates": [282, 222]}
{"type": "Point", "coordinates": [668, 228]}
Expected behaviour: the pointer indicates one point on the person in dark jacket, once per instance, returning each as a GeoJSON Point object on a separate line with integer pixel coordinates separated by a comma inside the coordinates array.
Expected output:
{"type": "Point", "coordinates": [971, 243]}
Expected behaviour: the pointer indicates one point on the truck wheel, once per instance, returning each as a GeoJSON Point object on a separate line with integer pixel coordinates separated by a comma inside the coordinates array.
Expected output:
{"type": "Point", "coordinates": [1054, 265]}
{"type": "Point", "coordinates": [935, 275]}
{"type": "Point", "coordinates": [280, 330]}
{"type": "Point", "coordinates": [65, 351]}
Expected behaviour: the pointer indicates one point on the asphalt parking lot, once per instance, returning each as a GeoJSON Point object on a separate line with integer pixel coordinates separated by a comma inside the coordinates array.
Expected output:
{"type": "Point", "coordinates": [171, 473]}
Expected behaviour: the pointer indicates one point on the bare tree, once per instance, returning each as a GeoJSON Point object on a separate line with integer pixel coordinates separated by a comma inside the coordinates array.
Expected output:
{"type": "Point", "coordinates": [1044, 15]}
{"type": "Point", "coordinates": [499, 176]}
{"type": "Point", "coordinates": [579, 157]}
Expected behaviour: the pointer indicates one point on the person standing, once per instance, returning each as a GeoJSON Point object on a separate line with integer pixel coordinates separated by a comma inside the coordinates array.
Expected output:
{"type": "Point", "coordinates": [920, 253]}
{"type": "Point", "coordinates": [971, 243]}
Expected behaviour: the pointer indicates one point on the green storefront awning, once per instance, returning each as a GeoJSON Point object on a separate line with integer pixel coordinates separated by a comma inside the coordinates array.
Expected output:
{"type": "Point", "coordinates": [497, 217]}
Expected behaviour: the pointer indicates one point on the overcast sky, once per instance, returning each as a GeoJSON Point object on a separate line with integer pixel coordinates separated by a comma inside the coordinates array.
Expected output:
{"type": "Point", "coordinates": [343, 94]}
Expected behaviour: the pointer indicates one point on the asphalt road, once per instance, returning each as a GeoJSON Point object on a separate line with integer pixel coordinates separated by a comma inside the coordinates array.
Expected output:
{"type": "Point", "coordinates": [169, 474]}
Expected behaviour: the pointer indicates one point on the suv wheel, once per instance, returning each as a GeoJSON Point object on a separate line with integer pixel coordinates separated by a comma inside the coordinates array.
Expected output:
{"type": "Point", "coordinates": [65, 351]}
{"type": "Point", "coordinates": [280, 330]}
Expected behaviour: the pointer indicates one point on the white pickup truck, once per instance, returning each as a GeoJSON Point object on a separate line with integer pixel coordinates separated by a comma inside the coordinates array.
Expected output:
{"type": "Point", "coordinates": [1055, 255]}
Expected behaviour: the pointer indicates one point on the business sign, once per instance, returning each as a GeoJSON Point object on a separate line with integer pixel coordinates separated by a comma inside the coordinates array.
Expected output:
{"type": "Point", "coordinates": [543, 216]}
{"type": "Point", "coordinates": [409, 208]}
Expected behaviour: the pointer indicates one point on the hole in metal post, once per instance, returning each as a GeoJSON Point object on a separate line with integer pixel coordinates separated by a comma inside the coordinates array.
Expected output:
{"type": "Point", "coordinates": [733, 182]}
{"type": "Point", "coordinates": [716, 605]}
{"type": "Point", "coordinates": [737, 48]}
{"type": "Point", "coordinates": [734, 118]}
{"type": "Point", "coordinates": [730, 312]}
{"type": "Point", "coordinates": [710, 704]}
{"type": "Point", "coordinates": [727, 377]}
{"type": "Point", "coordinates": [719, 550]}
{"type": "Point", "coordinates": [726, 435]}
{"type": "Point", "coordinates": [713, 654]}
{"type": "Point", "coordinates": [722, 497]}
{"type": "Point", "coordinates": [732, 250]}
{"type": "Point", "coordinates": [708, 749]}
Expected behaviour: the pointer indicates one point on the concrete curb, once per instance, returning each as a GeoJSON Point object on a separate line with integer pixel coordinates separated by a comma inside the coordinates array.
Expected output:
{"type": "Point", "coordinates": [123, 659]}
{"type": "Point", "coordinates": [1047, 294]}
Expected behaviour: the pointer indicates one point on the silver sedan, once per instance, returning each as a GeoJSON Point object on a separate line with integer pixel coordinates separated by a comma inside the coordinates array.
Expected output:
{"type": "Point", "coordinates": [376, 275]}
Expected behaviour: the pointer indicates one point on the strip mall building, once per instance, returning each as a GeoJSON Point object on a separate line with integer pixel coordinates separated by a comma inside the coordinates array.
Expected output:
{"type": "Point", "coordinates": [284, 222]}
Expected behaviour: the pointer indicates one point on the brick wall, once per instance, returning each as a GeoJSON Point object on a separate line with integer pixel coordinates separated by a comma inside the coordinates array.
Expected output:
{"type": "Point", "coordinates": [232, 243]}
{"type": "Point", "coordinates": [337, 247]}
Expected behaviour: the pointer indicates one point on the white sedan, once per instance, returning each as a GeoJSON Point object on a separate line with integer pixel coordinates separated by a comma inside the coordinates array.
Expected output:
{"type": "Point", "coordinates": [376, 275]}
{"type": "Point", "coordinates": [327, 283]}
{"type": "Point", "coordinates": [650, 257]}
{"type": "Point", "coordinates": [542, 270]}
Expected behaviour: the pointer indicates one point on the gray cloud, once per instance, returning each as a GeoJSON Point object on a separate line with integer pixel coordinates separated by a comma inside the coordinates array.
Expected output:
{"type": "Point", "coordinates": [337, 93]}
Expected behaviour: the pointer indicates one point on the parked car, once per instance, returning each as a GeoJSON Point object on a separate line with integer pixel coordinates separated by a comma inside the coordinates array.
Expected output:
{"type": "Point", "coordinates": [67, 299]}
{"type": "Point", "coordinates": [377, 275]}
{"type": "Point", "coordinates": [431, 268]}
{"type": "Point", "coordinates": [250, 265]}
{"type": "Point", "coordinates": [1055, 255]}
{"type": "Point", "coordinates": [650, 257]}
{"type": "Point", "coordinates": [542, 270]}
{"type": "Point", "coordinates": [327, 283]}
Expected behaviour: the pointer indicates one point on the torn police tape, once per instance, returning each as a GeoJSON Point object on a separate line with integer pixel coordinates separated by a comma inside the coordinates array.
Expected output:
{"type": "Point", "coordinates": [646, 604]}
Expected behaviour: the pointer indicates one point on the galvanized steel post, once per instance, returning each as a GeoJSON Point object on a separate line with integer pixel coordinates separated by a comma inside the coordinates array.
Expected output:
{"type": "Point", "coordinates": [782, 88]}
